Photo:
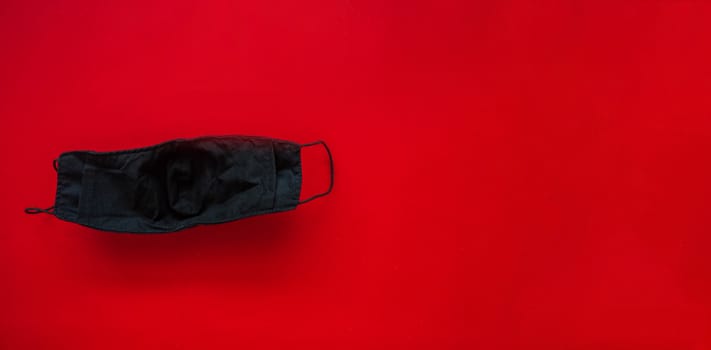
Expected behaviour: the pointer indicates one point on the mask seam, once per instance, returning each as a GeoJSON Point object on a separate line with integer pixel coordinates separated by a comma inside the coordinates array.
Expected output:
{"type": "Point", "coordinates": [148, 148]}
{"type": "Point", "coordinates": [300, 176]}
{"type": "Point", "coordinates": [90, 181]}
{"type": "Point", "coordinates": [276, 176]}
{"type": "Point", "coordinates": [187, 226]}
{"type": "Point", "coordinates": [58, 199]}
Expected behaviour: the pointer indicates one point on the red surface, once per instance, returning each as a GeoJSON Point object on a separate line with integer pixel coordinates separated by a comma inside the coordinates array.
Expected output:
{"type": "Point", "coordinates": [510, 175]}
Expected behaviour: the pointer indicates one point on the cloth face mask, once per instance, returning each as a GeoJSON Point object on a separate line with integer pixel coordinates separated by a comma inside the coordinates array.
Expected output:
{"type": "Point", "coordinates": [179, 184]}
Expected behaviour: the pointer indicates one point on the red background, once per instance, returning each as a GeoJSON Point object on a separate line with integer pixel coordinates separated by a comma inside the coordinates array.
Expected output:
{"type": "Point", "coordinates": [509, 174]}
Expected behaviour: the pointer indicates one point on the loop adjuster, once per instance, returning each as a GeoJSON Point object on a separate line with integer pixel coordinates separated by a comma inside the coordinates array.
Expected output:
{"type": "Point", "coordinates": [49, 210]}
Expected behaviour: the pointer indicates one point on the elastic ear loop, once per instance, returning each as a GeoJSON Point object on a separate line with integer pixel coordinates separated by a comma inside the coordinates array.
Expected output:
{"type": "Point", "coordinates": [330, 160]}
{"type": "Point", "coordinates": [49, 210]}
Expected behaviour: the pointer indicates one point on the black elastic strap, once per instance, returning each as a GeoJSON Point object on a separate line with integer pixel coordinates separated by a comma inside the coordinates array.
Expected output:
{"type": "Point", "coordinates": [49, 210]}
{"type": "Point", "coordinates": [330, 160]}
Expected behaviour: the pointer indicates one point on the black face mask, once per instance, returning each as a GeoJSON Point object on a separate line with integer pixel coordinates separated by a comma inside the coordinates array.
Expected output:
{"type": "Point", "coordinates": [179, 184]}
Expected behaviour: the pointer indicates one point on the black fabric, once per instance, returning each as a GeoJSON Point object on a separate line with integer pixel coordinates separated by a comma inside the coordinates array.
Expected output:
{"type": "Point", "coordinates": [178, 184]}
